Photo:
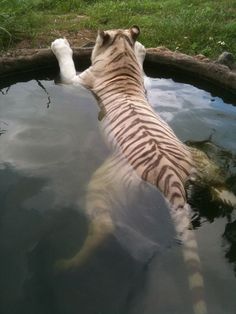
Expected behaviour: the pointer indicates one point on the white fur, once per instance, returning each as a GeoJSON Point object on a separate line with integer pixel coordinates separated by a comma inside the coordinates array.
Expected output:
{"type": "Point", "coordinates": [63, 52]}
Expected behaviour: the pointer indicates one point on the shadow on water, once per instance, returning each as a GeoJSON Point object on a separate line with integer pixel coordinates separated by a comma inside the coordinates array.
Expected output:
{"type": "Point", "coordinates": [103, 285]}
{"type": "Point", "coordinates": [33, 240]}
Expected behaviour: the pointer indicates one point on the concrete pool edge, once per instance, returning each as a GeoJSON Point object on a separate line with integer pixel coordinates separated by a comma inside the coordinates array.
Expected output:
{"type": "Point", "coordinates": [200, 68]}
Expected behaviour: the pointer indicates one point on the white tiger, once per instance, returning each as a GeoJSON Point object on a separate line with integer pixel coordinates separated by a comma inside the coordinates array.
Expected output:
{"type": "Point", "coordinates": [144, 147]}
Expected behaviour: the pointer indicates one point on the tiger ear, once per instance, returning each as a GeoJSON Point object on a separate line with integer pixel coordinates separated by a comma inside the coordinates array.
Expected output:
{"type": "Point", "coordinates": [103, 36]}
{"type": "Point", "coordinates": [134, 31]}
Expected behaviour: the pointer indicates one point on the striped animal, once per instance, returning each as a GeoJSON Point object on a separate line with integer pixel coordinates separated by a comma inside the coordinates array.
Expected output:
{"type": "Point", "coordinates": [144, 147]}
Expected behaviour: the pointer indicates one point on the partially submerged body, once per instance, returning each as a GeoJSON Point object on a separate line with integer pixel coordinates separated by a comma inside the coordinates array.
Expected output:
{"type": "Point", "coordinates": [144, 147]}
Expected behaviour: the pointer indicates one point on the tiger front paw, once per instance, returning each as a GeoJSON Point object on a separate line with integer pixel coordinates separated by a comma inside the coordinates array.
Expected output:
{"type": "Point", "coordinates": [140, 52]}
{"type": "Point", "coordinates": [61, 47]}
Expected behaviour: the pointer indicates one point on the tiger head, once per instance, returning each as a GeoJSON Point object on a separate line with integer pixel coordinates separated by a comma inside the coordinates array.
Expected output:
{"type": "Point", "coordinates": [110, 38]}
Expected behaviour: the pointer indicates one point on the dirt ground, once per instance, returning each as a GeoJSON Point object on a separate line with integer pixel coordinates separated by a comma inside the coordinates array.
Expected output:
{"type": "Point", "coordinates": [42, 40]}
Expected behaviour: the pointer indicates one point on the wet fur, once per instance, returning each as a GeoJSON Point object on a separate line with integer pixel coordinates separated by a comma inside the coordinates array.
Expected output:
{"type": "Point", "coordinates": [116, 71]}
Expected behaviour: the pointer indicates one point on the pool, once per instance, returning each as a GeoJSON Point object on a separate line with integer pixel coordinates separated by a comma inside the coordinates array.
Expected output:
{"type": "Point", "coordinates": [50, 146]}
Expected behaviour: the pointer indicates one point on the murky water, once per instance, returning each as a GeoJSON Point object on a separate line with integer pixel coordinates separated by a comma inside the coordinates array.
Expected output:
{"type": "Point", "coordinates": [50, 146]}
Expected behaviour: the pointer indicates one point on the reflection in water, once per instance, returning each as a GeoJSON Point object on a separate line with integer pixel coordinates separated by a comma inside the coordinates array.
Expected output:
{"type": "Point", "coordinates": [46, 92]}
{"type": "Point", "coordinates": [5, 92]}
{"type": "Point", "coordinates": [3, 126]}
{"type": "Point", "coordinates": [47, 159]}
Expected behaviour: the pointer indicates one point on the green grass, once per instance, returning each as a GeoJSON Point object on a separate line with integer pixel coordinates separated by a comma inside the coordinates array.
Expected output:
{"type": "Point", "coordinates": [193, 27]}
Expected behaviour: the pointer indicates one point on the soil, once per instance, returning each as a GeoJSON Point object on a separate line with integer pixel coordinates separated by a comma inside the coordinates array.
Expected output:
{"type": "Point", "coordinates": [28, 47]}
{"type": "Point", "coordinates": [219, 73]}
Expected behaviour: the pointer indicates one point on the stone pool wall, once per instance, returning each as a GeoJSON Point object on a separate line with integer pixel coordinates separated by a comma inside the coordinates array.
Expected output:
{"type": "Point", "coordinates": [198, 67]}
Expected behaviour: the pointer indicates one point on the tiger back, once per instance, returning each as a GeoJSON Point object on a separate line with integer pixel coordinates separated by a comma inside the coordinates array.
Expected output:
{"type": "Point", "coordinates": [144, 139]}
{"type": "Point", "coordinates": [131, 128]}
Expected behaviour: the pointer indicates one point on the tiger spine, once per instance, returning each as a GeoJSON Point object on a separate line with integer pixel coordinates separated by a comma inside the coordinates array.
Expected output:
{"type": "Point", "coordinates": [120, 107]}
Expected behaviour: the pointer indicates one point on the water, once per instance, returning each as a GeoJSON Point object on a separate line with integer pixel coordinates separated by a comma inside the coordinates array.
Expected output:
{"type": "Point", "coordinates": [50, 146]}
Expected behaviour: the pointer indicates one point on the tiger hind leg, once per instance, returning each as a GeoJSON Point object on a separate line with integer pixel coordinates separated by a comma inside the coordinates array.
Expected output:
{"type": "Point", "coordinates": [99, 229]}
{"type": "Point", "coordinates": [99, 200]}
